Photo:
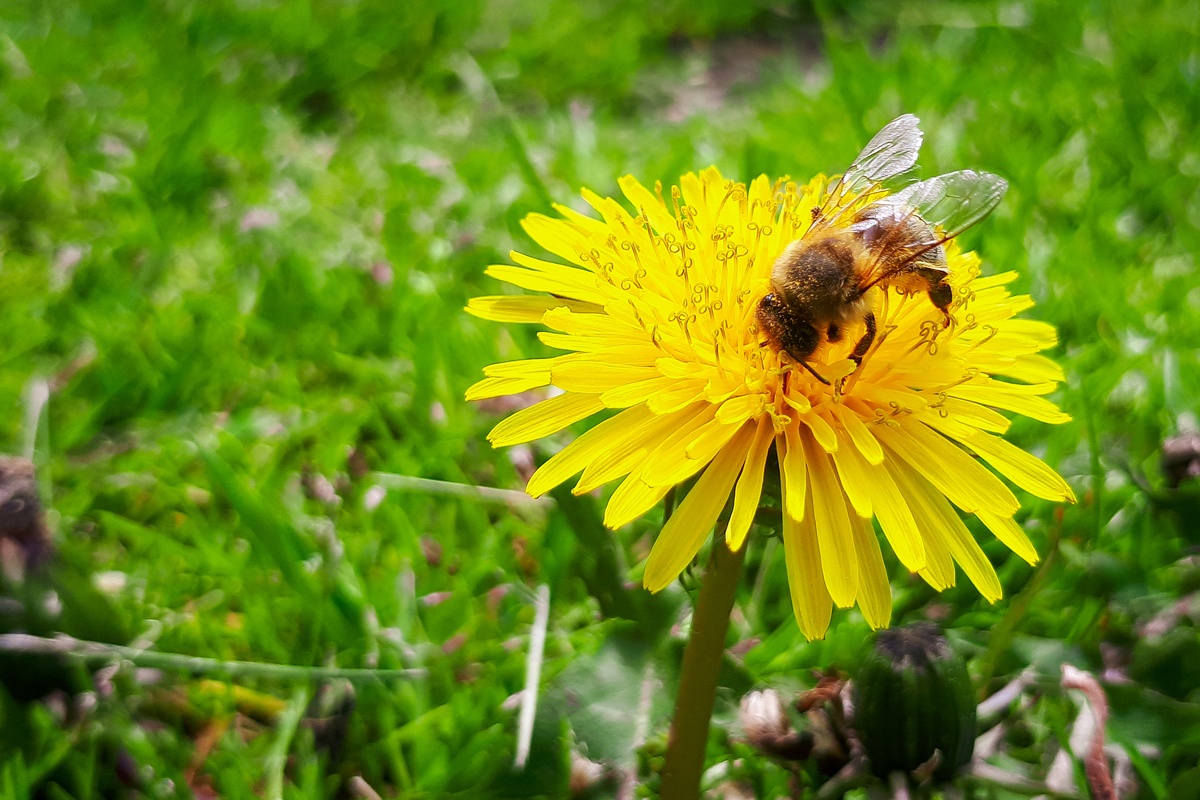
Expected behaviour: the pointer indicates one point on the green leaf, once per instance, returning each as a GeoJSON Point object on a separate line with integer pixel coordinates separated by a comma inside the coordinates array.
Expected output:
{"type": "Point", "coordinates": [610, 697]}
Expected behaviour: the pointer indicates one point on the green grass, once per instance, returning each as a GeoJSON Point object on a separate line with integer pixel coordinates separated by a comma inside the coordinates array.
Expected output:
{"type": "Point", "coordinates": [236, 239]}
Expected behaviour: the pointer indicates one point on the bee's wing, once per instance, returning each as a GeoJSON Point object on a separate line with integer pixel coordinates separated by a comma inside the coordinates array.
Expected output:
{"type": "Point", "coordinates": [891, 152]}
{"type": "Point", "coordinates": [954, 201]}
{"type": "Point", "coordinates": [949, 203]}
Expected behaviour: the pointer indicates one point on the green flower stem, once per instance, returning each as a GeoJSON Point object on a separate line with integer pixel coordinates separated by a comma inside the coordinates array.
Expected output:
{"type": "Point", "coordinates": [698, 682]}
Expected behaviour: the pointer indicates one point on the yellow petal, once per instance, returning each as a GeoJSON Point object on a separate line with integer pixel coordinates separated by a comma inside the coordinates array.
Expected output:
{"type": "Point", "coordinates": [587, 226]}
{"type": "Point", "coordinates": [896, 519]}
{"type": "Point", "coordinates": [832, 521]}
{"type": "Point", "coordinates": [963, 548]}
{"type": "Point", "coordinates": [975, 415]}
{"type": "Point", "coordinates": [525, 368]}
{"type": "Point", "coordinates": [686, 530]}
{"type": "Point", "coordinates": [749, 485]}
{"type": "Point", "coordinates": [630, 451]}
{"type": "Point", "coordinates": [706, 441]}
{"type": "Point", "coordinates": [568, 320]}
{"type": "Point", "coordinates": [694, 196]}
{"type": "Point", "coordinates": [558, 236]}
{"type": "Point", "coordinates": [821, 430]}
{"type": "Point", "coordinates": [597, 376]}
{"type": "Point", "coordinates": [862, 437]}
{"type": "Point", "coordinates": [1026, 471]}
{"type": "Point", "coordinates": [1034, 369]}
{"type": "Point", "coordinates": [632, 498]}
{"type": "Point", "coordinates": [736, 409]}
{"type": "Point", "coordinates": [794, 466]}
{"type": "Point", "coordinates": [614, 215]}
{"type": "Point", "coordinates": [967, 483]}
{"type": "Point", "coordinates": [680, 393]}
{"type": "Point", "coordinates": [874, 589]}
{"type": "Point", "coordinates": [633, 393]}
{"type": "Point", "coordinates": [938, 571]}
{"type": "Point", "coordinates": [623, 460]}
{"type": "Point", "coordinates": [709, 439]}
{"type": "Point", "coordinates": [647, 204]}
{"type": "Point", "coordinates": [947, 527]}
{"type": "Point", "coordinates": [581, 452]}
{"type": "Point", "coordinates": [1041, 334]}
{"type": "Point", "coordinates": [544, 418]}
{"type": "Point", "coordinates": [1013, 397]}
{"type": "Point", "coordinates": [572, 283]}
{"type": "Point", "coordinates": [760, 191]}
{"type": "Point", "coordinates": [522, 308]}
{"type": "Point", "coordinates": [623, 351]}
{"type": "Point", "coordinates": [674, 368]}
{"type": "Point", "coordinates": [811, 602]}
{"type": "Point", "coordinates": [799, 403]}
{"type": "Point", "coordinates": [1009, 532]}
{"type": "Point", "coordinates": [667, 462]}
{"type": "Point", "coordinates": [499, 387]}
{"type": "Point", "coordinates": [990, 281]}
{"type": "Point", "coordinates": [855, 474]}
{"type": "Point", "coordinates": [945, 423]}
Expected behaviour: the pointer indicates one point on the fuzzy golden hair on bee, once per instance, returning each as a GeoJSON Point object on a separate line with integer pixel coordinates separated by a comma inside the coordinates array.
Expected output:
{"type": "Point", "coordinates": [824, 282]}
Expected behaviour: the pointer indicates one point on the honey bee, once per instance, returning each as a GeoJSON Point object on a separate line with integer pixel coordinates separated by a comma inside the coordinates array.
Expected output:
{"type": "Point", "coordinates": [825, 281]}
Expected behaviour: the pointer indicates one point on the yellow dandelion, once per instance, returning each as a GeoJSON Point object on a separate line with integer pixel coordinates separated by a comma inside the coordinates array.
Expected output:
{"type": "Point", "coordinates": [657, 312]}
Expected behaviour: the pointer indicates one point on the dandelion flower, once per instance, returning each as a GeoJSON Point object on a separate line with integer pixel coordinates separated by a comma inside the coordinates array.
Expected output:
{"type": "Point", "coordinates": [655, 310]}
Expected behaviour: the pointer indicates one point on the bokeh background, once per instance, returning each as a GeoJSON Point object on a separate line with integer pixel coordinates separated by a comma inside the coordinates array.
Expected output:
{"type": "Point", "coordinates": [236, 238]}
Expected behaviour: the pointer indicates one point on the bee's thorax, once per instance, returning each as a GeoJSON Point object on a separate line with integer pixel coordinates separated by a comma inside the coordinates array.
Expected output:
{"type": "Point", "coordinates": [817, 279]}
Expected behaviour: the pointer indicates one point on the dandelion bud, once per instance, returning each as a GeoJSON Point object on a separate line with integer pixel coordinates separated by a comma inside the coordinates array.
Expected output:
{"type": "Point", "coordinates": [913, 703]}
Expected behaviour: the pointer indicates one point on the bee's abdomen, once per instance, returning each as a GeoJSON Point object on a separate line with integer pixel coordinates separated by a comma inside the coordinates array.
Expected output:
{"type": "Point", "coordinates": [901, 241]}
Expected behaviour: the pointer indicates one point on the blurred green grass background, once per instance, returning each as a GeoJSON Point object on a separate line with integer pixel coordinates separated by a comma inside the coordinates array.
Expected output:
{"type": "Point", "coordinates": [235, 242]}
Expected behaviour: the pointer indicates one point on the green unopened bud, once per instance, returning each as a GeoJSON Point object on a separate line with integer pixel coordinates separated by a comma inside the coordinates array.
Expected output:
{"type": "Point", "coordinates": [914, 710]}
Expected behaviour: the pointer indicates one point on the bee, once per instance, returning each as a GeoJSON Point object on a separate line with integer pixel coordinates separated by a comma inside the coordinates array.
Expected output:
{"type": "Point", "coordinates": [825, 282]}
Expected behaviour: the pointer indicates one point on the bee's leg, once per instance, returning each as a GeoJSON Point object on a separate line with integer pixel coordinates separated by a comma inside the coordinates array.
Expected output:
{"type": "Point", "coordinates": [814, 373]}
{"type": "Point", "coordinates": [860, 350]}
{"type": "Point", "coordinates": [864, 344]}
{"type": "Point", "coordinates": [941, 294]}
{"type": "Point", "coordinates": [799, 339]}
